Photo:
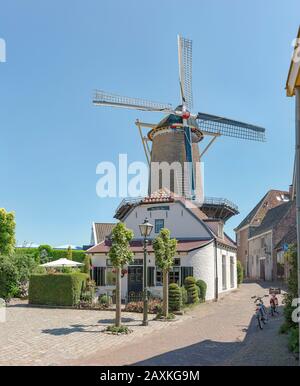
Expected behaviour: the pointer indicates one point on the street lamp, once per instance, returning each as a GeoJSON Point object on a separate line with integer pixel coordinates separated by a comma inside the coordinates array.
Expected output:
{"type": "Point", "coordinates": [145, 230]}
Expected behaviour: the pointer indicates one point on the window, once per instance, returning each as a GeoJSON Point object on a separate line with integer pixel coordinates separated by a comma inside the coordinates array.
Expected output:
{"type": "Point", "coordinates": [220, 230]}
{"type": "Point", "coordinates": [159, 277]}
{"type": "Point", "coordinates": [176, 261]}
{"type": "Point", "coordinates": [110, 276]}
{"type": "Point", "coordinates": [159, 224]}
{"type": "Point", "coordinates": [99, 276]}
{"type": "Point", "coordinates": [174, 275]}
{"type": "Point", "coordinates": [224, 273]}
{"type": "Point", "coordinates": [150, 276]}
{"type": "Point", "coordinates": [137, 262]}
{"type": "Point", "coordinates": [185, 272]}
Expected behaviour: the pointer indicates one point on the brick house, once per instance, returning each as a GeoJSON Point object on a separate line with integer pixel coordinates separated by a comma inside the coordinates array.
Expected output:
{"type": "Point", "coordinates": [271, 199]}
{"type": "Point", "coordinates": [263, 240]}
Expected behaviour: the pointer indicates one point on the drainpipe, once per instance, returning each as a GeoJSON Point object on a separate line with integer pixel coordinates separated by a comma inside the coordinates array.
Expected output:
{"type": "Point", "coordinates": [216, 273]}
{"type": "Point", "coordinates": [297, 93]}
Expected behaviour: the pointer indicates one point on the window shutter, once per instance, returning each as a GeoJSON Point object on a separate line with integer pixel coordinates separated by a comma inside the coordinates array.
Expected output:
{"type": "Point", "coordinates": [185, 272]}
{"type": "Point", "coordinates": [99, 276]}
{"type": "Point", "coordinates": [150, 277]}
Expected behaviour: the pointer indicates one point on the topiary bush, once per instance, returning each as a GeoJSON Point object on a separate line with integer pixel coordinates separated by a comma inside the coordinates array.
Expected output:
{"type": "Point", "coordinates": [60, 289]}
{"type": "Point", "coordinates": [240, 272]}
{"type": "Point", "coordinates": [192, 289]}
{"type": "Point", "coordinates": [202, 289]}
{"type": "Point", "coordinates": [175, 297]}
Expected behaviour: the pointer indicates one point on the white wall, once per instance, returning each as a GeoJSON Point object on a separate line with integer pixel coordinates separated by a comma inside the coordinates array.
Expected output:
{"type": "Point", "coordinates": [178, 220]}
{"type": "Point", "coordinates": [228, 254]}
{"type": "Point", "coordinates": [202, 261]}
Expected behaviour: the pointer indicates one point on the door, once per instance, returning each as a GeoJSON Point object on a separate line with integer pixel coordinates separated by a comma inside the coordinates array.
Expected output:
{"type": "Point", "coordinates": [262, 270]}
{"type": "Point", "coordinates": [135, 280]}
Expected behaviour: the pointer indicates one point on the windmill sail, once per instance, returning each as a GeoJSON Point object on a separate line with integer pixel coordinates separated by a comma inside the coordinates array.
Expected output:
{"type": "Point", "coordinates": [102, 98]}
{"type": "Point", "coordinates": [229, 127]}
{"type": "Point", "coordinates": [185, 71]}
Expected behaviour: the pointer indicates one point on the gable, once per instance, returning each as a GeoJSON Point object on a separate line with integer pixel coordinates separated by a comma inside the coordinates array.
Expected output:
{"type": "Point", "coordinates": [181, 221]}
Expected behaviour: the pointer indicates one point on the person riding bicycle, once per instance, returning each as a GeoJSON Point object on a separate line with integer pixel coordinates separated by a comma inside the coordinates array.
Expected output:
{"type": "Point", "coordinates": [274, 303]}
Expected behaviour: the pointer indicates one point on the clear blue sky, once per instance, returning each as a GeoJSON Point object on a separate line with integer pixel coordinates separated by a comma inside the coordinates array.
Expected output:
{"type": "Point", "coordinates": [52, 137]}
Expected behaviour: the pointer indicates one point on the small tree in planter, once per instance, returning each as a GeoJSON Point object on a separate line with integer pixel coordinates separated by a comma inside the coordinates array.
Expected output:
{"type": "Point", "coordinates": [165, 249]}
{"type": "Point", "coordinates": [120, 255]}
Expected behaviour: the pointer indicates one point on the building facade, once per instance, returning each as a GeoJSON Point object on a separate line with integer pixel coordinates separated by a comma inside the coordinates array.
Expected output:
{"type": "Point", "coordinates": [204, 250]}
{"type": "Point", "coordinates": [253, 220]}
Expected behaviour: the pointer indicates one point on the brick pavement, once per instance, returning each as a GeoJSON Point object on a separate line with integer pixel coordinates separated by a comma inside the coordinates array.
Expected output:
{"type": "Point", "coordinates": [215, 333]}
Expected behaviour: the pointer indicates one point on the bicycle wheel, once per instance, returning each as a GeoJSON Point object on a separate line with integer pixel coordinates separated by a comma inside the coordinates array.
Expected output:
{"type": "Point", "coordinates": [259, 322]}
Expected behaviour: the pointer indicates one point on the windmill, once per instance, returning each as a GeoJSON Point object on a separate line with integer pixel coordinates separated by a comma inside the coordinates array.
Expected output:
{"type": "Point", "coordinates": [175, 138]}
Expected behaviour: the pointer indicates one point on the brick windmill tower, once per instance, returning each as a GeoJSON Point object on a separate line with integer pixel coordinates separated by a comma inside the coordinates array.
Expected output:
{"type": "Point", "coordinates": [171, 146]}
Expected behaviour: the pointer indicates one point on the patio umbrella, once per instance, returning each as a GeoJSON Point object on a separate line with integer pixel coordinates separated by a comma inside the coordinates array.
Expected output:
{"type": "Point", "coordinates": [61, 263]}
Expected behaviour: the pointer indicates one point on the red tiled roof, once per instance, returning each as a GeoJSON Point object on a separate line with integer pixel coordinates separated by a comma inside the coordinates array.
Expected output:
{"type": "Point", "coordinates": [137, 246]}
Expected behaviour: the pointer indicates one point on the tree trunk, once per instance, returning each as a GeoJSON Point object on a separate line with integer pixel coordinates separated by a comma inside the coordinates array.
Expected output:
{"type": "Point", "coordinates": [165, 293]}
{"type": "Point", "coordinates": [118, 297]}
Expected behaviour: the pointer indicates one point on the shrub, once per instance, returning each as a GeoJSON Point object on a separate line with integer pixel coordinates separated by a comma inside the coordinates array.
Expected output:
{"type": "Point", "coordinates": [202, 287]}
{"type": "Point", "coordinates": [184, 295]}
{"type": "Point", "coordinates": [154, 306]}
{"type": "Point", "coordinates": [104, 299]}
{"type": "Point", "coordinates": [56, 290]}
{"type": "Point", "coordinates": [117, 330]}
{"type": "Point", "coordinates": [192, 289]}
{"type": "Point", "coordinates": [240, 272]}
{"type": "Point", "coordinates": [14, 274]}
{"type": "Point", "coordinates": [175, 297]}
{"type": "Point", "coordinates": [293, 342]}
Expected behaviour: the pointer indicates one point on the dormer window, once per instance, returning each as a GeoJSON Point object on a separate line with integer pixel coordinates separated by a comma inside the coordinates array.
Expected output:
{"type": "Point", "coordinates": [221, 230]}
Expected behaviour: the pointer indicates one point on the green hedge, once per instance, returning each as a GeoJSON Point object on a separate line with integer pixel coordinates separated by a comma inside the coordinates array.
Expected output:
{"type": "Point", "coordinates": [56, 289]}
{"type": "Point", "coordinates": [55, 253]}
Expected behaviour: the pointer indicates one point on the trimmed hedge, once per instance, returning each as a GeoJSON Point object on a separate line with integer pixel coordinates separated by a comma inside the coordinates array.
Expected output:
{"type": "Point", "coordinates": [63, 289]}
{"type": "Point", "coordinates": [192, 289]}
{"type": "Point", "coordinates": [55, 254]}
{"type": "Point", "coordinates": [175, 297]}
{"type": "Point", "coordinates": [202, 289]}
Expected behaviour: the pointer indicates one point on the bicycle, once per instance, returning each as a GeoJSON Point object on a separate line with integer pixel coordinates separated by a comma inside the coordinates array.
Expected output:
{"type": "Point", "coordinates": [261, 312]}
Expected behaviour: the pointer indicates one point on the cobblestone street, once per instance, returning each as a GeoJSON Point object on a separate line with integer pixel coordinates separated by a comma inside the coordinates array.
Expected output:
{"type": "Point", "coordinates": [210, 334]}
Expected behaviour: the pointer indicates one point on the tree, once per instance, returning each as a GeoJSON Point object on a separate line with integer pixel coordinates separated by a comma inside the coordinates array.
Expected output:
{"type": "Point", "coordinates": [120, 255]}
{"type": "Point", "coordinates": [7, 232]}
{"type": "Point", "coordinates": [86, 268]}
{"type": "Point", "coordinates": [44, 252]}
{"type": "Point", "coordinates": [165, 250]}
{"type": "Point", "coordinates": [69, 253]}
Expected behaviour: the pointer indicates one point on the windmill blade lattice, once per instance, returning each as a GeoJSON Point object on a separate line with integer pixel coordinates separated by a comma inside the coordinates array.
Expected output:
{"type": "Point", "coordinates": [185, 70]}
{"type": "Point", "coordinates": [229, 127]}
{"type": "Point", "coordinates": [109, 99]}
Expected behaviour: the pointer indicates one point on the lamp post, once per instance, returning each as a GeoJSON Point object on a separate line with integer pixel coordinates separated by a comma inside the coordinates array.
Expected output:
{"type": "Point", "coordinates": [145, 230]}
